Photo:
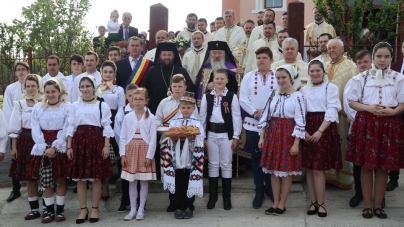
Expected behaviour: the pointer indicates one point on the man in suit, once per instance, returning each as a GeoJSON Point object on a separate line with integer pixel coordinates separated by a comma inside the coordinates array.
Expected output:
{"type": "Point", "coordinates": [125, 30]}
{"type": "Point", "coordinates": [132, 69]}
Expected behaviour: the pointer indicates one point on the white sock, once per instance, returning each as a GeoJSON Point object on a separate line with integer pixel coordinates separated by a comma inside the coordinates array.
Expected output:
{"type": "Point", "coordinates": [60, 200]}
{"type": "Point", "coordinates": [49, 201]}
{"type": "Point", "coordinates": [35, 198]}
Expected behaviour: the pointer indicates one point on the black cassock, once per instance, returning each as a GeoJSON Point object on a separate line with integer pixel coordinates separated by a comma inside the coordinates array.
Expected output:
{"type": "Point", "coordinates": [153, 81]}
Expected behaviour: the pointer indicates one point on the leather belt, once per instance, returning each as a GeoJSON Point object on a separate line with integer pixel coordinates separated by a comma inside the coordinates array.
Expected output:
{"type": "Point", "coordinates": [217, 127]}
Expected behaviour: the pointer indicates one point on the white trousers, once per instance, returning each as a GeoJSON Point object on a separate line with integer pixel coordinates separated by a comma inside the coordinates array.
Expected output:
{"type": "Point", "coordinates": [220, 155]}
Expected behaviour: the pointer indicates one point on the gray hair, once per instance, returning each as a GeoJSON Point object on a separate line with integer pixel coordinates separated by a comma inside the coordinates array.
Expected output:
{"type": "Point", "coordinates": [229, 11]}
{"type": "Point", "coordinates": [341, 44]}
{"type": "Point", "coordinates": [127, 14]}
{"type": "Point", "coordinates": [288, 41]}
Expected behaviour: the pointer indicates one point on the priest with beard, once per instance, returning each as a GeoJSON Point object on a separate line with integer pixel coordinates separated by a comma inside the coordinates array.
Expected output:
{"type": "Point", "coordinates": [218, 56]}
{"type": "Point", "coordinates": [158, 78]}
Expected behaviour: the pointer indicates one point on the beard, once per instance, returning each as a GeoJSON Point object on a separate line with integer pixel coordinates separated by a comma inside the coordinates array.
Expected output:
{"type": "Point", "coordinates": [191, 26]}
{"type": "Point", "coordinates": [218, 64]}
{"type": "Point", "coordinates": [260, 22]}
{"type": "Point", "coordinates": [167, 64]}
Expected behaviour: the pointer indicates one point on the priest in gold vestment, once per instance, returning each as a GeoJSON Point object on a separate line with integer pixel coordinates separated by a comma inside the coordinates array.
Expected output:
{"type": "Point", "coordinates": [340, 69]}
{"type": "Point", "coordinates": [193, 59]}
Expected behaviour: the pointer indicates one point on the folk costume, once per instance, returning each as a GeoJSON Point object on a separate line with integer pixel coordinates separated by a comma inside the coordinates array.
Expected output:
{"type": "Point", "coordinates": [66, 80]}
{"type": "Point", "coordinates": [13, 93]}
{"type": "Point", "coordinates": [221, 119]}
{"type": "Point", "coordinates": [20, 129]}
{"type": "Point", "coordinates": [158, 78]}
{"type": "Point", "coordinates": [322, 104]}
{"type": "Point", "coordinates": [205, 74]}
{"type": "Point", "coordinates": [48, 128]}
{"type": "Point", "coordinates": [366, 146]}
{"type": "Point", "coordinates": [3, 133]}
{"type": "Point", "coordinates": [255, 90]}
{"type": "Point", "coordinates": [284, 119]}
{"type": "Point", "coordinates": [339, 73]}
{"type": "Point", "coordinates": [76, 94]}
{"type": "Point", "coordinates": [138, 142]}
{"type": "Point", "coordinates": [183, 163]}
{"type": "Point", "coordinates": [88, 125]}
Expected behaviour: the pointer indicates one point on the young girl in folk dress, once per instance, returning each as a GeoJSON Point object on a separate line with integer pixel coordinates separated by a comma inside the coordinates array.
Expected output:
{"type": "Point", "coordinates": [376, 139]}
{"type": "Point", "coordinates": [114, 96]}
{"type": "Point", "coordinates": [88, 144]}
{"type": "Point", "coordinates": [321, 148]}
{"type": "Point", "coordinates": [283, 120]}
{"type": "Point", "coordinates": [22, 142]}
{"type": "Point", "coordinates": [137, 145]}
{"type": "Point", "coordinates": [48, 128]}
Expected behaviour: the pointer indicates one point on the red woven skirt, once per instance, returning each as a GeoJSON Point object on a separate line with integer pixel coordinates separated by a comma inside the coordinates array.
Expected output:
{"type": "Point", "coordinates": [59, 162]}
{"type": "Point", "coordinates": [87, 162]}
{"type": "Point", "coordinates": [278, 141]}
{"type": "Point", "coordinates": [376, 142]}
{"type": "Point", "coordinates": [326, 153]}
{"type": "Point", "coordinates": [19, 167]}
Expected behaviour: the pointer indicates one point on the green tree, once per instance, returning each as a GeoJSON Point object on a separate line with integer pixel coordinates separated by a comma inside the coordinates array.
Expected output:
{"type": "Point", "coordinates": [49, 27]}
{"type": "Point", "coordinates": [347, 17]}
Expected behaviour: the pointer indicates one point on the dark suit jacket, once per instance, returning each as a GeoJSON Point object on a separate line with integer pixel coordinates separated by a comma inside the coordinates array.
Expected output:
{"type": "Point", "coordinates": [132, 31]}
{"type": "Point", "coordinates": [124, 70]}
{"type": "Point", "coordinates": [396, 66]}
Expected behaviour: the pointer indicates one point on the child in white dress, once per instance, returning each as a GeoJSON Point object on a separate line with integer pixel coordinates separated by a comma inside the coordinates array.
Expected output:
{"type": "Point", "coordinates": [137, 145]}
{"type": "Point", "coordinates": [113, 27]}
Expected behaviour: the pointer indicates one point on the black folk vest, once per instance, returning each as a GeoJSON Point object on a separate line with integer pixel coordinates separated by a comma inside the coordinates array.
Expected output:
{"type": "Point", "coordinates": [227, 117]}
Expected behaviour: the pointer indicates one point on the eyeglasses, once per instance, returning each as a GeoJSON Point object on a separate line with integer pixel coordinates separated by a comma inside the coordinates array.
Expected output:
{"type": "Point", "coordinates": [21, 70]}
{"type": "Point", "coordinates": [138, 100]}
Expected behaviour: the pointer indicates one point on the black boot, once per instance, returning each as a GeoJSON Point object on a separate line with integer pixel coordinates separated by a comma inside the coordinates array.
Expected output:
{"type": "Point", "coordinates": [226, 186]}
{"type": "Point", "coordinates": [213, 185]}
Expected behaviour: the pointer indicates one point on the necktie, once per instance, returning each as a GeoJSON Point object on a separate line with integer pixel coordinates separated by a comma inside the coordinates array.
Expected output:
{"type": "Point", "coordinates": [126, 33]}
{"type": "Point", "coordinates": [134, 61]}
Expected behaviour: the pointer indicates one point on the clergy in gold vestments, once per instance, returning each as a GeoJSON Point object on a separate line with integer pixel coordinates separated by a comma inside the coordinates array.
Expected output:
{"type": "Point", "coordinates": [312, 34]}
{"type": "Point", "coordinates": [192, 60]}
{"type": "Point", "coordinates": [340, 69]}
{"type": "Point", "coordinates": [268, 41]}
{"type": "Point", "coordinates": [290, 52]}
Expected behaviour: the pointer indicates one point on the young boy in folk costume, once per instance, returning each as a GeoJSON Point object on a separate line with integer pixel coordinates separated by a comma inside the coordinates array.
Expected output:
{"type": "Point", "coordinates": [221, 118]}
{"type": "Point", "coordinates": [183, 161]}
{"type": "Point", "coordinates": [168, 109]}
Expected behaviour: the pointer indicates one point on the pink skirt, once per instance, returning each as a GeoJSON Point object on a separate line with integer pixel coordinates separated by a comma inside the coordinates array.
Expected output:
{"type": "Point", "coordinates": [135, 152]}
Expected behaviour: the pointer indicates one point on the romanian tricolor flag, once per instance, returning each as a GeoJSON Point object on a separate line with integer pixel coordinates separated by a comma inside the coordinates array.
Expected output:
{"type": "Point", "coordinates": [139, 71]}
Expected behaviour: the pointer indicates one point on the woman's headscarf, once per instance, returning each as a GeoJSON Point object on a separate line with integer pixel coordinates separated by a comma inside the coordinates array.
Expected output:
{"type": "Point", "coordinates": [97, 90]}
{"type": "Point", "coordinates": [63, 91]}
{"type": "Point", "coordinates": [379, 72]}
{"type": "Point", "coordinates": [325, 77]}
{"type": "Point", "coordinates": [295, 80]}
{"type": "Point", "coordinates": [39, 95]}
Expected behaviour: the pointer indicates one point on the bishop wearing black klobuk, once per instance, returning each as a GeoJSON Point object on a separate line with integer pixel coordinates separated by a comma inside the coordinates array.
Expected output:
{"type": "Point", "coordinates": [213, 62]}
{"type": "Point", "coordinates": [158, 78]}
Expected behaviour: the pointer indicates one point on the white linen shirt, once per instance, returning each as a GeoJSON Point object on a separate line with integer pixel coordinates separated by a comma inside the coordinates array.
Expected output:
{"type": "Point", "coordinates": [89, 114]}
{"type": "Point", "coordinates": [115, 97]}
{"type": "Point", "coordinates": [217, 117]}
{"type": "Point", "coordinates": [49, 119]}
{"type": "Point", "coordinates": [166, 107]}
{"type": "Point", "coordinates": [13, 93]}
{"type": "Point", "coordinates": [251, 101]}
{"type": "Point", "coordinates": [147, 128]}
{"type": "Point", "coordinates": [20, 118]}
{"type": "Point", "coordinates": [317, 100]}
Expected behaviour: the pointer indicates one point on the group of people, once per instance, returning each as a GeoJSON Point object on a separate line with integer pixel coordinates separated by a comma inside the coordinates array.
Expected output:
{"type": "Point", "coordinates": [294, 115]}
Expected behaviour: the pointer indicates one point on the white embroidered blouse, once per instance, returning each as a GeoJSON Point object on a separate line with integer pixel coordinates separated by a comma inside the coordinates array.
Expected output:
{"type": "Point", "coordinates": [323, 98]}
{"type": "Point", "coordinates": [20, 118]}
{"type": "Point", "coordinates": [115, 97]}
{"type": "Point", "coordinates": [49, 119]}
{"type": "Point", "coordinates": [288, 106]}
{"type": "Point", "coordinates": [89, 114]}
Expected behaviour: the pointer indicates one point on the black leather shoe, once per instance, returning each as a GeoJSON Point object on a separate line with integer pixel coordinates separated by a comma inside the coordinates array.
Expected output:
{"type": "Point", "coordinates": [257, 202]}
{"type": "Point", "coordinates": [393, 183]}
{"type": "Point", "coordinates": [355, 200]}
{"type": "Point", "coordinates": [13, 196]}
